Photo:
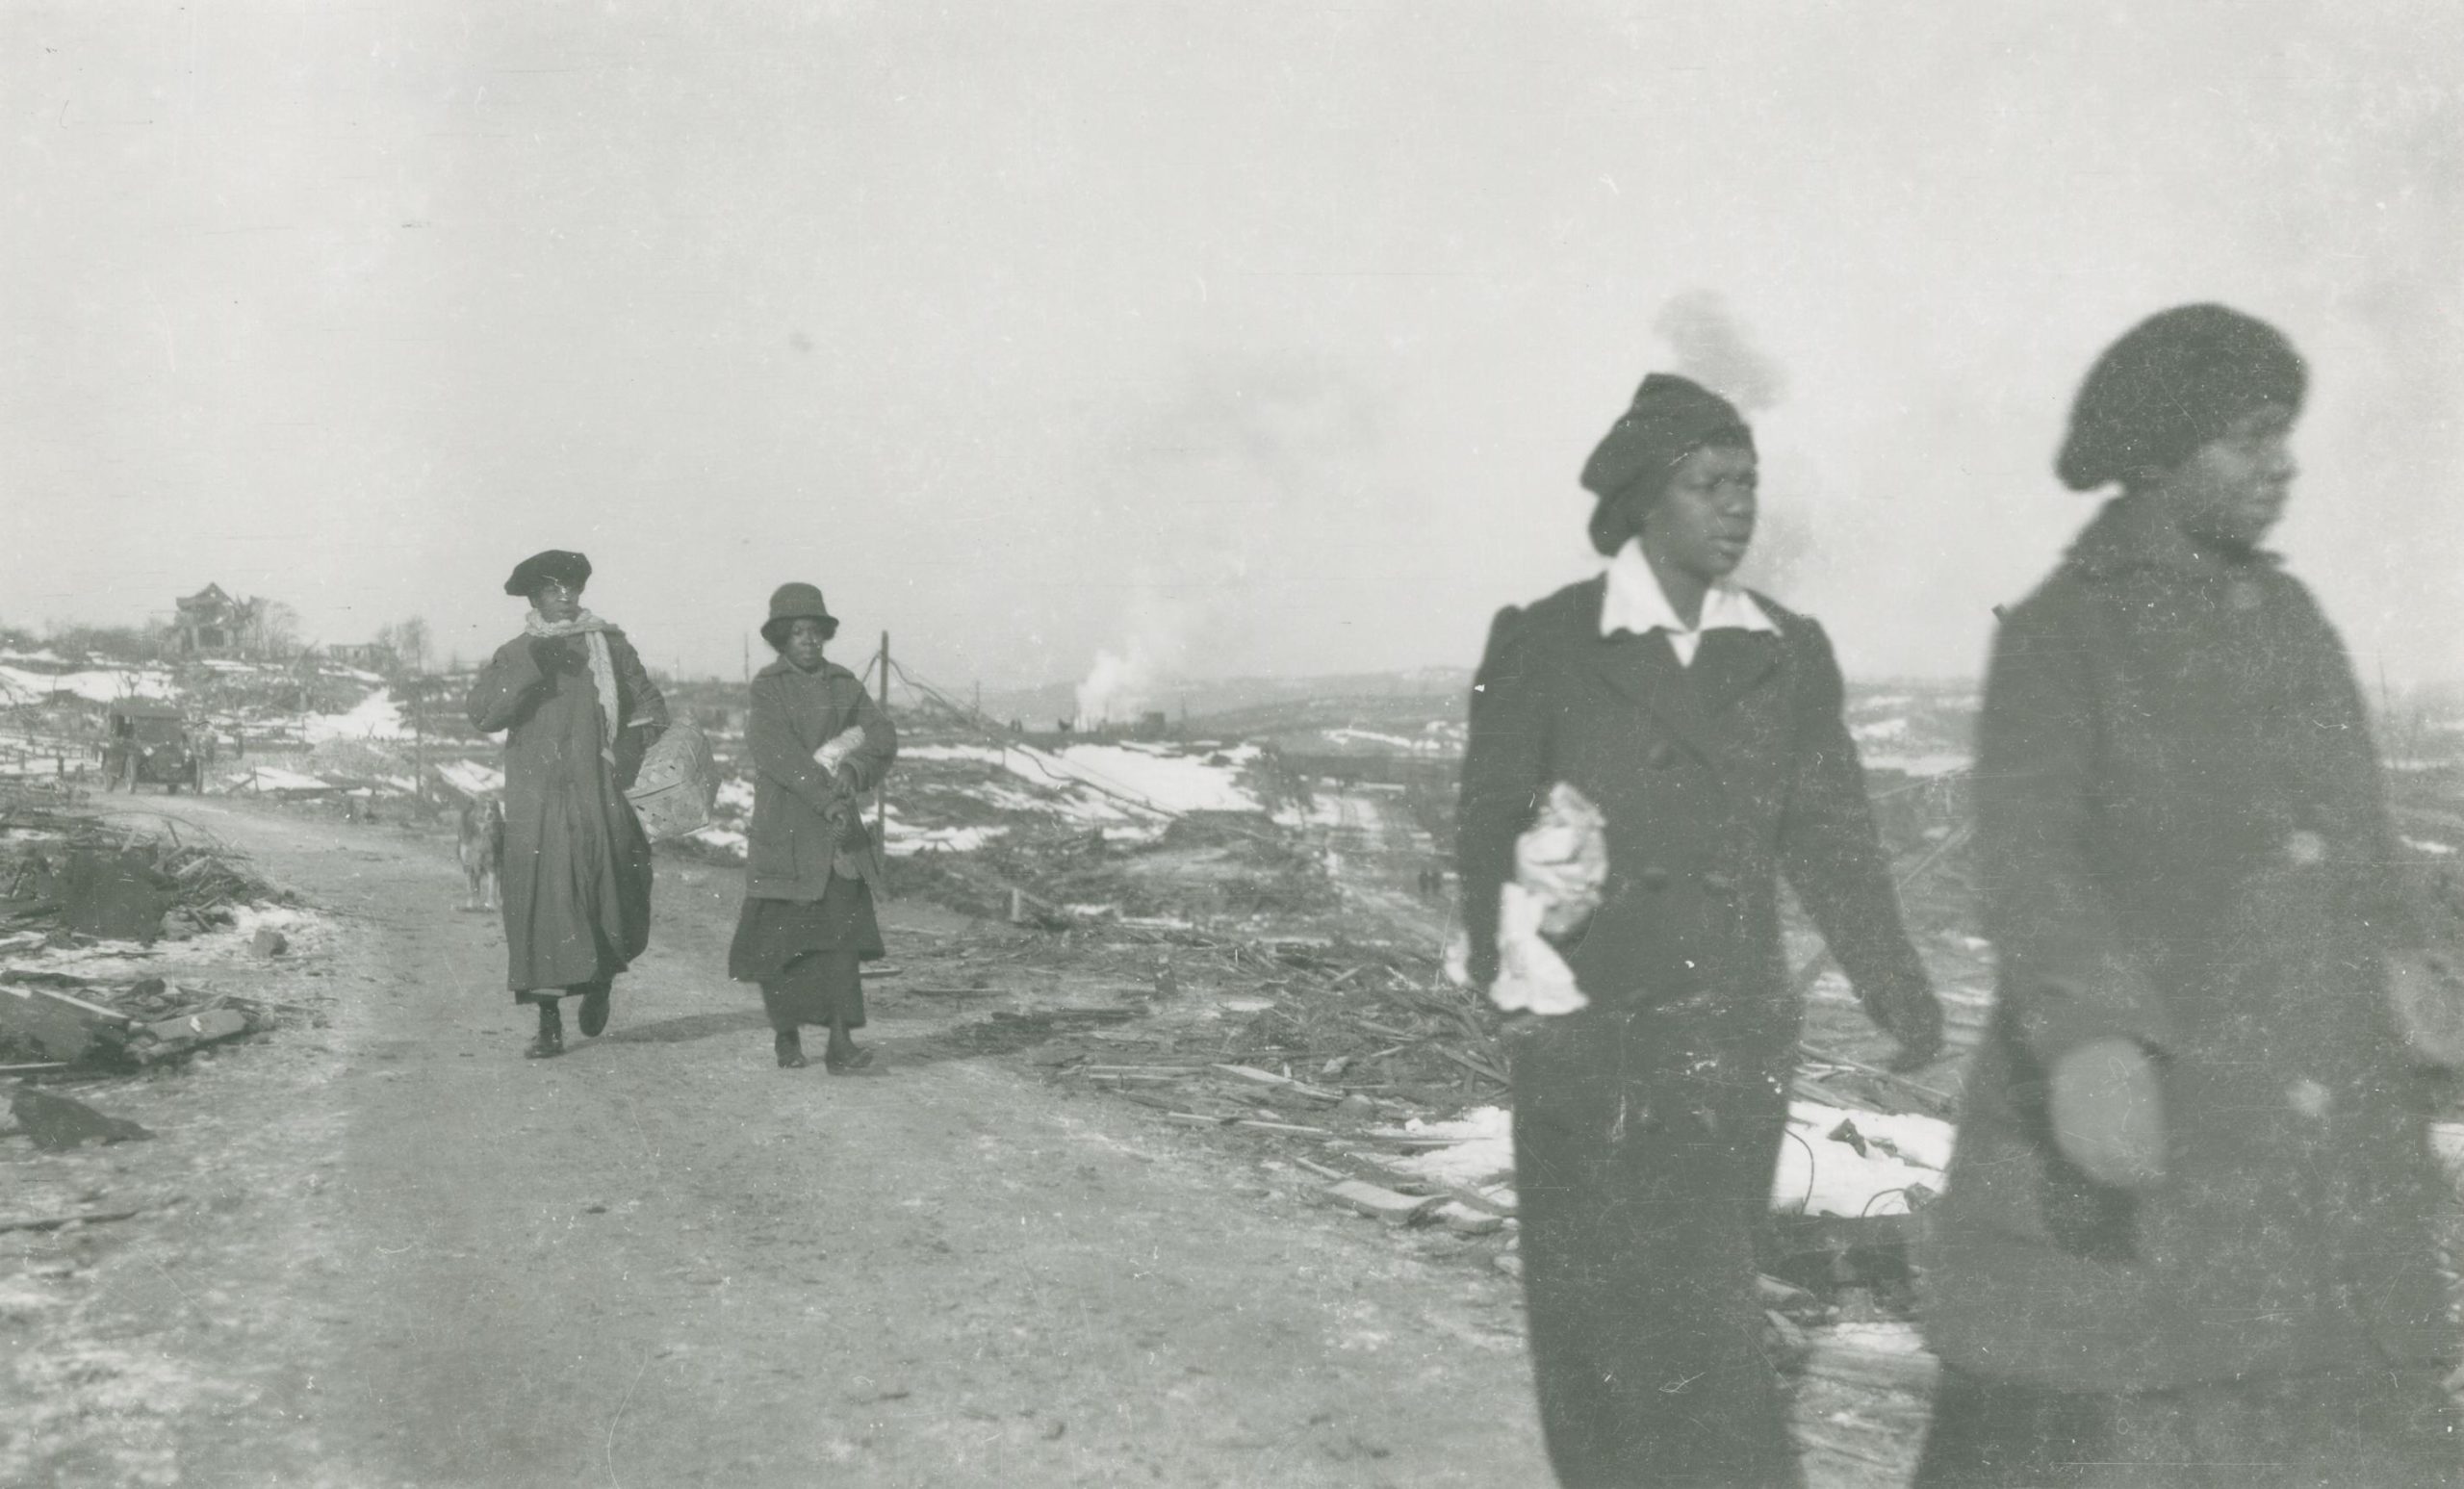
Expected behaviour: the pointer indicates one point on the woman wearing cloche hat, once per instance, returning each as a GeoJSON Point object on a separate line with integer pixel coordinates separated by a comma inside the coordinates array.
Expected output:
{"type": "Point", "coordinates": [818, 743]}
{"type": "Point", "coordinates": [578, 710]}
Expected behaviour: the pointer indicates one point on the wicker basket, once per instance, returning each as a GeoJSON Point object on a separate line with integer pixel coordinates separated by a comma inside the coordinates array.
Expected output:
{"type": "Point", "coordinates": [677, 783]}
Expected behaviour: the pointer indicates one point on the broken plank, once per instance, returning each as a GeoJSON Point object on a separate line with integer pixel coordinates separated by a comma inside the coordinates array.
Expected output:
{"type": "Point", "coordinates": [1381, 1203]}
{"type": "Point", "coordinates": [1478, 1067]}
{"type": "Point", "coordinates": [56, 1222]}
{"type": "Point", "coordinates": [1456, 1215]}
{"type": "Point", "coordinates": [176, 1035]}
{"type": "Point", "coordinates": [1849, 1363]}
{"type": "Point", "coordinates": [30, 987]}
{"type": "Point", "coordinates": [1256, 1076]}
{"type": "Point", "coordinates": [1254, 1124]}
{"type": "Point", "coordinates": [1419, 1140]}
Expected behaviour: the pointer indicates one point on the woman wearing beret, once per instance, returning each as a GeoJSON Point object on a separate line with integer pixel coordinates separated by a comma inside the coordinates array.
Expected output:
{"type": "Point", "coordinates": [818, 745]}
{"type": "Point", "coordinates": [2188, 1236]}
{"type": "Point", "coordinates": [578, 711]}
{"type": "Point", "coordinates": [1704, 722]}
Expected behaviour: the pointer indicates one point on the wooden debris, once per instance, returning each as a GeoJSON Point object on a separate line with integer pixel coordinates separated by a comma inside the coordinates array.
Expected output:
{"type": "Point", "coordinates": [1456, 1215]}
{"type": "Point", "coordinates": [1845, 1359]}
{"type": "Point", "coordinates": [165, 1038]}
{"type": "Point", "coordinates": [1256, 1076]}
{"type": "Point", "coordinates": [58, 1026]}
{"type": "Point", "coordinates": [56, 1222]}
{"type": "Point", "coordinates": [1383, 1204]}
{"type": "Point", "coordinates": [57, 1122]}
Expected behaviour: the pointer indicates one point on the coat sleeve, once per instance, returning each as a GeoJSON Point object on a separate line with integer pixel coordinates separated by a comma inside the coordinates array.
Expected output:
{"type": "Point", "coordinates": [506, 687]}
{"type": "Point", "coordinates": [871, 759]}
{"type": "Point", "coordinates": [780, 754]}
{"type": "Point", "coordinates": [1834, 859]}
{"type": "Point", "coordinates": [644, 702]}
{"type": "Point", "coordinates": [2385, 897]}
{"type": "Point", "coordinates": [2067, 973]}
{"type": "Point", "coordinates": [1505, 779]}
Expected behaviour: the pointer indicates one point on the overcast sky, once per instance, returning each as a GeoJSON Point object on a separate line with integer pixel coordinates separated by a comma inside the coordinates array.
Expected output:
{"type": "Point", "coordinates": [1255, 337]}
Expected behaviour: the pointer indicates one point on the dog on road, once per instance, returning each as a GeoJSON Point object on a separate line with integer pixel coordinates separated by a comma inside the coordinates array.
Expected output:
{"type": "Point", "coordinates": [483, 851]}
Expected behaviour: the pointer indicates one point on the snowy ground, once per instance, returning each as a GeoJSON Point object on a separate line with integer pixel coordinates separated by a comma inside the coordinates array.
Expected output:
{"type": "Point", "coordinates": [1837, 1161]}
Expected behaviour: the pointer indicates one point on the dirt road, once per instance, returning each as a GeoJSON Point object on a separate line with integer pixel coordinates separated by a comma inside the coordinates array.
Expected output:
{"type": "Point", "coordinates": [387, 1251]}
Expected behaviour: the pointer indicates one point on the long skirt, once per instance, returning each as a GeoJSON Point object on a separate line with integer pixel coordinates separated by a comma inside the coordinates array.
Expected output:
{"type": "Point", "coordinates": [2391, 1427]}
{"type": "Point", "coordinates": [805, 953]}
{"type": "Point", "coordinates": [1644, 1143]}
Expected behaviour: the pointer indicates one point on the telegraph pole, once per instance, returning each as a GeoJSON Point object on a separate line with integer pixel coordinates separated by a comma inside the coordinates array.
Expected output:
{"type": "Point", "coordinates": [419, 738]}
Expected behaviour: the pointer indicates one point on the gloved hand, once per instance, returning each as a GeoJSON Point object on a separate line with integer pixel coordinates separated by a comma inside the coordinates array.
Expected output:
{"type": "Point", "coordinates": [551, 653]}
{"type": "Point", "coordinates": [2108, 1111]}
{"type": "Point", "coordinates": [1562, 860]}
{"type": "Point", "coordinates": [2427, 992]}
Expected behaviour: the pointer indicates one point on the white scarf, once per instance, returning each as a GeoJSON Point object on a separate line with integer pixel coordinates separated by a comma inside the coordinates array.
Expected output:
{"type": "Point", "coordinates": [602, 666]}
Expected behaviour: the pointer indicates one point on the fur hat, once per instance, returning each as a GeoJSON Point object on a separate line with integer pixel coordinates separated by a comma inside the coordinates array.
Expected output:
{"type": "Point", "coordinates": [1670, 418]}
{"type": "Point", "coordinates": [2173, 382]}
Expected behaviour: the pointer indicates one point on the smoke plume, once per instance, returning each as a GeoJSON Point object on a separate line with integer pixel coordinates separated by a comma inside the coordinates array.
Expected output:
{"type": "Point", "coordinates": [1714, 351]}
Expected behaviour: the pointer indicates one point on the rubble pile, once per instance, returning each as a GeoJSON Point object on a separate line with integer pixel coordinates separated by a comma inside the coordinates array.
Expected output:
{"type": "Point", "coordinates": [73, 884]}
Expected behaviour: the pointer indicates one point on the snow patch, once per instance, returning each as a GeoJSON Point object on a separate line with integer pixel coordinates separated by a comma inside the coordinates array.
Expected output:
{"type": "Point", "coordinates": [1817, 1174]}
{"type": "Point", "coordinates": [376, 717]}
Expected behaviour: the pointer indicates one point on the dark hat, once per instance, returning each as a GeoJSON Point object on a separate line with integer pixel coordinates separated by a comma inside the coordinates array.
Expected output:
{"type": "Point", "coordinates": [797, 603]}
{"type": "Point", "coordinates": [571, 570]}
{"type": "Point", "coordinates": [1670, 418]}
{"type": "Point", "coordinates": [2173, 382]}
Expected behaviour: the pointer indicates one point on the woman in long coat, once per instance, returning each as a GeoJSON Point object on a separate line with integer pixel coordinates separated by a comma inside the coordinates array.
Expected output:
{"type": "Point", "coordinates": [1705, 724]}
{"type": "Point", "coordinates": [578, 710]}
{"type": "Point", "coordinates": [2188, 1234]}
{"type": "Point", "coordinates": [818, 744]}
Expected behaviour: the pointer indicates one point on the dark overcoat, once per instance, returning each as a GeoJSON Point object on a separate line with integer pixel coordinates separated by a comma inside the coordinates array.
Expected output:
{"type": "Point", "coordinates": [793, 848]}
{"type": "Point", "coordinates": [1647, 1126]}
{"type": "Point", "coordinates": [2185, 844]}
{"type": "Point", "coordinates": [576, 880]}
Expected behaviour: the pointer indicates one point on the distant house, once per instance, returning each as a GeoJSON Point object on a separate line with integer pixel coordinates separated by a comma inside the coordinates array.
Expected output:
{"type": "Point", "coordinates": [211, 624]}
{"type": "Point", "coordinates": [367, 656]}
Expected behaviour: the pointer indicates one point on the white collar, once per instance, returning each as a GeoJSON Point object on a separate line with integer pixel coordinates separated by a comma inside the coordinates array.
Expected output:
{"type": "Point", "coordinates": [1633, 601]}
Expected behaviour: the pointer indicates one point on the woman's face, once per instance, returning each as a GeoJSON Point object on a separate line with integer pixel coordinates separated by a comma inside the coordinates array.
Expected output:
{"type": "Point", "coordinates": [802, 645]}
{"type": "Point", "coordinates": [1704, 521]}
{"type": "Point", "coordinates": [2233, 488]}
{"type": "Point", "coordinates": [556, 602]}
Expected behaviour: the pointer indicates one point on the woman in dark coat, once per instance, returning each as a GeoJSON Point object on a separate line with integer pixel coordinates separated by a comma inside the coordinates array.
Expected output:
{"type": "Point", "coordinates": [818, 745]}
{"type": "Point", "coordinates": [2188, 1232]}
{"type": "Point", "coordinates": [578, 710]}
{"type": "Point", "coordinates": [1705, 724]}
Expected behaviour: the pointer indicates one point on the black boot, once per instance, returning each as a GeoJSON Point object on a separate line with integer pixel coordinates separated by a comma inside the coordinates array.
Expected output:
{"type": "Point", "coordinates": [550, 1041]}
{"type": "Point", "coordinates": [841, 1054]}
{"type": "Point", "coordinates": [790, 1048]}
{"type": "Point", "coordinates": [594, 1008]}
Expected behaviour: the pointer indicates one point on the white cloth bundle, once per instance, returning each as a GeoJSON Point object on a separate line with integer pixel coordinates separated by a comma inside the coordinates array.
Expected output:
{"type": "Point", "coordinates": [1560, 863]}
{"type": "Point", "coordinates": [835, 750]}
